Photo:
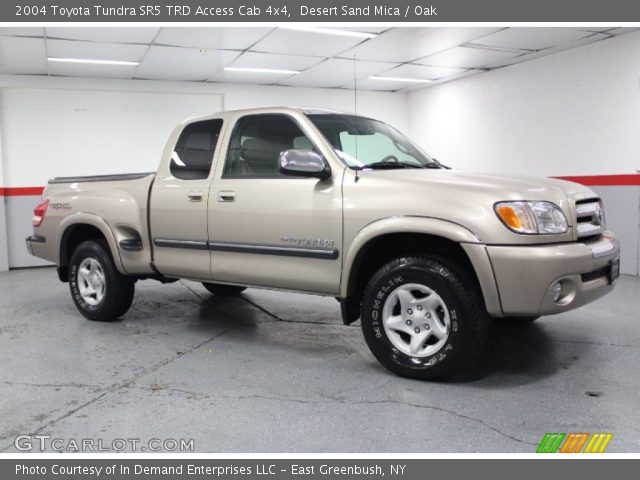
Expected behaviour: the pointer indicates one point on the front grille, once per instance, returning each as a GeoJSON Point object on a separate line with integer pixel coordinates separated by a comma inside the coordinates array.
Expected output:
{"type": "Point", "coordinates": [589, 218]}
{"type": "Point", "coordinates": [599, 273]}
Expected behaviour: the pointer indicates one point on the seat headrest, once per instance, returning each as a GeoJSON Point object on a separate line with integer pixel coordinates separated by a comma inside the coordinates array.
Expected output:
{"type": "Point", "coordinates": [255, 150]}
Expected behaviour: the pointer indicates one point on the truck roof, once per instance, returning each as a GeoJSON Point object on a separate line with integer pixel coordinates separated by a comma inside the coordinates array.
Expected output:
{"type": "Point", "coordinates": [250, 111]}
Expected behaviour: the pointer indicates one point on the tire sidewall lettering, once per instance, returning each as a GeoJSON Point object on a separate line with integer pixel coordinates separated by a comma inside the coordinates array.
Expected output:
{"type": "Point", "coordinates": [75, 289]}
{"type": "Point", "coordinates": [378, 303]}
{"type": "Point", "coordinates": [439, 284]}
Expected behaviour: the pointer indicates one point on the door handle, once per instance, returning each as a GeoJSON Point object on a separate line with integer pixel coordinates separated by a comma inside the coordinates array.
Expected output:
{"type": "Point", "coordinates": [194, 196]}
{"type": "Point", "coordinates": [226, 196]}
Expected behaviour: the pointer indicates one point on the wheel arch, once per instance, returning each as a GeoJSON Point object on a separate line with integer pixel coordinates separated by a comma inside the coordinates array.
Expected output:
{"type": "Point", "coordinates": [81, 227]}
{"type": "Point", "coordinates": [381, 241]}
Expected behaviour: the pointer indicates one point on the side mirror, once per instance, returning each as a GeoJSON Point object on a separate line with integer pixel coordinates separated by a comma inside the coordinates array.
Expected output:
{"type": "Point", "coordinates": [303, 163]}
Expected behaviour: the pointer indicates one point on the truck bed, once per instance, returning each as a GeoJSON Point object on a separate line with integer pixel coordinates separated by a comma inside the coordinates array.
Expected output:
{"type": "Point", "coordinates": [117, 205]}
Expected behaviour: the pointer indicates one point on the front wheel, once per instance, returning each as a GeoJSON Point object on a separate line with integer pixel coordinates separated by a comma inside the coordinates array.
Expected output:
{"type": "Point", "coordinates": [422, 318]}
{"type": "Point", "coordinates": [98, 290]}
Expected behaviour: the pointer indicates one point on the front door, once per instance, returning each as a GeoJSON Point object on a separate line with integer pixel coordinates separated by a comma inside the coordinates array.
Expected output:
{"type": "Point", "coordinates": [271, 230]}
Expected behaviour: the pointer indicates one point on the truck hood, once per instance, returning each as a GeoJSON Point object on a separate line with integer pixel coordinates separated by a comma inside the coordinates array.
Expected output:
{"type": "Point", "coordinates": [464, 198]}
{"type": "Point", "coordinates": [501, 187]}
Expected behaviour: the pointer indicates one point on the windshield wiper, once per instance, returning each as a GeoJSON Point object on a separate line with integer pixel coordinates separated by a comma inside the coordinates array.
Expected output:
{"type": "Point", "coordinates": [387, 165]}
{"type": "Point", "coordinates": [434, 165]}
{"type": "Point", "coordinates": [438, 164]}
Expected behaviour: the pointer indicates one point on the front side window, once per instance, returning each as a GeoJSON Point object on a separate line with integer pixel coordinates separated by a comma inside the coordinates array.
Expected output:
{"type": "Point", "coordinates": [366, 143]}
{"type": "Point", "coordinates": [256, 144]}
{"type": "Point", "coordinates": [192, 157]}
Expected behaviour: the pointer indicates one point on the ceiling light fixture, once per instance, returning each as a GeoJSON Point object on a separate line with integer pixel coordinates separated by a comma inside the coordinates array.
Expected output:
{"type": "Point", "coordinates": [331, 31]}
{"type": "Point", "coordinates": [400, 79]}
{"type": "Point", "coordinates": [94, 62]}
{"type": "Point", "coordinates": [275, 71]}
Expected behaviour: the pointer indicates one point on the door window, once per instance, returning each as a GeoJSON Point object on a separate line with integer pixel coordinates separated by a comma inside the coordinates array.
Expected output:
{"type": "Point", "coordinates": [193, 154]}
{"type": "Point", "coordinates": [256, 144]}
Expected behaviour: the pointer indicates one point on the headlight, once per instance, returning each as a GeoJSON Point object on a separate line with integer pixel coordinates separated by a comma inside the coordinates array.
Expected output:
{"type": "Point", "coordinates": [532, 217]}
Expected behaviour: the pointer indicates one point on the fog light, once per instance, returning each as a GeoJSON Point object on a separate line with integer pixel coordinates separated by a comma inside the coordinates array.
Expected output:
{"type": "Point", "coordinates": [556, 291]}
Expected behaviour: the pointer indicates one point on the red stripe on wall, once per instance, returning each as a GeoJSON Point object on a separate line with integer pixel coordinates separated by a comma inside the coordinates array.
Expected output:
{"type": "Point", "coordinates": [21, 191]}
{"type": "Point", "coordinates": [631, 179]}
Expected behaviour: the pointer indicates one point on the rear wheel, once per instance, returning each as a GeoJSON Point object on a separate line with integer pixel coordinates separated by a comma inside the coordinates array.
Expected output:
{"type": "Point", "coordinates": [423, 319]}
{"type": "Point", "coordinates": [98, 290]}
{"type": "Point", "coordinates": [223, 290]}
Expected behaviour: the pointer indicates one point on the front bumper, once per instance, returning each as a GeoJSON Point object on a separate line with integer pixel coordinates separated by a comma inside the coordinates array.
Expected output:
{"type": "Point", "coordinates": [525, 274]}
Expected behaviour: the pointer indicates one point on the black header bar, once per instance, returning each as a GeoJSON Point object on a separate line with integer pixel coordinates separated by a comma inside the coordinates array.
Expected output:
{"type": "Point", "coordinates": [314, 469]}
{"type": "Point", "coordinates": [407, 11]}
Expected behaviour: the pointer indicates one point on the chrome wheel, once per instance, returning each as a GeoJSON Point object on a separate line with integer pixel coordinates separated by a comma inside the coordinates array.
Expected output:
{"type": "Point", "coordinates": [91, 281]}
{"type": "Point", "coordinates": [416, 320]}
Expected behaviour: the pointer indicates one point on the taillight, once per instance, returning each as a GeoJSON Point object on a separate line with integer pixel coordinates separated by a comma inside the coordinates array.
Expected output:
{"type": "Point", "coordinates": [38, 213]}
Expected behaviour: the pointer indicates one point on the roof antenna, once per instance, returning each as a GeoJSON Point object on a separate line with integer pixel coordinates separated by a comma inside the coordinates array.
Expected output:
{"type": "Point", "coordinates": [355, 112]}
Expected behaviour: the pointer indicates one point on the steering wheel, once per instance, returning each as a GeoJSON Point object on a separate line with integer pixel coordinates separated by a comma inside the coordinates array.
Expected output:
{"type": "Point", "coordinates": [390, 158]}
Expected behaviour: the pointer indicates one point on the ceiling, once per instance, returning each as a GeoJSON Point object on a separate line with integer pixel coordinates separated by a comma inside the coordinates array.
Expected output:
{"type": "Point", "coordinates": [321, 59]}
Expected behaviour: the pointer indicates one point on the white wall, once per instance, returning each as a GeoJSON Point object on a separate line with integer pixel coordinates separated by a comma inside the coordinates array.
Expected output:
{"type": "Point", "coordinates": [573, 113]}
{"type": "Point", "coordinates": [64, 126]}
{"type": "Point", "coordinates": [64, 133]}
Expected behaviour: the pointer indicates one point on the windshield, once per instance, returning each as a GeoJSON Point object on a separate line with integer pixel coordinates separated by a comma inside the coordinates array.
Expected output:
{"type": "Point", "coordinates": [366, 143]}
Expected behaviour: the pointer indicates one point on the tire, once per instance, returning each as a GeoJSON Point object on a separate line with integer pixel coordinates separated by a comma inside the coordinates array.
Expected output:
{"type": "Point", "coordinates": [516, 320]}
{"type": "Point", "coordinates": [445, 307]}
{"type": "Point", "coordinates": [223, 290]}
{"type": "Point", "coordinates": [98, 290]}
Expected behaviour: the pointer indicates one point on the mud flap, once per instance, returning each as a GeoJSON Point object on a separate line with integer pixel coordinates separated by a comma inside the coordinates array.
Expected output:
{"type": "Point", "coordinates": [350, 313]}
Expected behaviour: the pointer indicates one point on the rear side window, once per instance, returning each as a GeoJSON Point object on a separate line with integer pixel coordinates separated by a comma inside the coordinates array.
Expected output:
{"type": "Point", "coordinates": [193, 154]}
{"type": "Point", "coordinates": [256, 143]}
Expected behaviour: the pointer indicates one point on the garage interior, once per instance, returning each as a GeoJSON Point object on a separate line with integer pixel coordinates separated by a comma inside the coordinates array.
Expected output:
{"type": "Point", "coordinates": [278, 372]}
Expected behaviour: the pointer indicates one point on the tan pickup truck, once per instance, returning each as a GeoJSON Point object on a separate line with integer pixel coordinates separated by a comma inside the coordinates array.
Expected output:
{"type": "Point", "coordinates": [333, 204]}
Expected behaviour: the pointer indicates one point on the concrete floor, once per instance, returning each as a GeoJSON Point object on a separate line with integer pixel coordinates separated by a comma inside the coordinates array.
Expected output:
{"type": "Point", "coordinates": [277, 372]}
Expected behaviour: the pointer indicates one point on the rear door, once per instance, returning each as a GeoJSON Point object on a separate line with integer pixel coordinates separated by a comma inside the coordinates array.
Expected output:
{"type": "Point", "coordinates": [178, 203]}
{"type": "Point", "coordinates": [268, 229]}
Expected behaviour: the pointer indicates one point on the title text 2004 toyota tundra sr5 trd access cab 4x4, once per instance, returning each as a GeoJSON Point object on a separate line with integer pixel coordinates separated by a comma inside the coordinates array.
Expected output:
{"type": "Point", "coordinates": [333, 204]}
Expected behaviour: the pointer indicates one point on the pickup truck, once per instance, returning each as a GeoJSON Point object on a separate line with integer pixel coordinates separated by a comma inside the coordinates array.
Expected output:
{"type": "Point", "coordinates": [338, 205]}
